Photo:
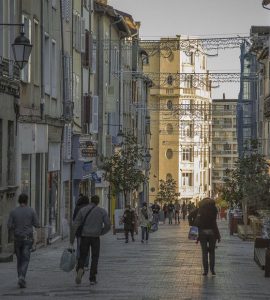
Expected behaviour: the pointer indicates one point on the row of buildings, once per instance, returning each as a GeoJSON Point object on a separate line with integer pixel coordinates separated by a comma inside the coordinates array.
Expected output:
{"type": "Point", "coordinates": [67, 107]}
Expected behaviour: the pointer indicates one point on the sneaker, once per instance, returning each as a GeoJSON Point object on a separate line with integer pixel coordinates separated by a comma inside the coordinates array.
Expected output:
{"type": "Point", "coordinates": [133, 240]}
{"type": "Point", "coordinates": [79, 276]}
{"type": "Point", "coordinates": [142, 241]}
{"type": "Point", "coordinates": [213, 273]}
{"type": "Point", "coordinates": [22, 283]}
{"type": "Point", "coordinates": [205, 273]}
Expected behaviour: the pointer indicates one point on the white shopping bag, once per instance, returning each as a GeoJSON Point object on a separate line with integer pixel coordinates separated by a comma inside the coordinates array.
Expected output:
{"type": "Point", "coordinates": [68, 260]}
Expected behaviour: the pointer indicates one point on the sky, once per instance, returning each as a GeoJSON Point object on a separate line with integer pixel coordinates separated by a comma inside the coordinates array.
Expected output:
{"type": "Point", "coordinates": [203, 18]}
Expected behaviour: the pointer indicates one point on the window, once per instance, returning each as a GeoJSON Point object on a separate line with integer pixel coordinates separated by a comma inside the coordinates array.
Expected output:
{"type": "Point", "coordinates": [94, 119]}
{"type": "Point", "coordinates": [169, 154]}
{"type": "Point", "coordinates": [115, 61]}
{"type": "Point", "coordinates": [226, 107]}
{"type": "Point", "coordinates": [10, 154]}
{"type": "Point", "coordinates": [189, 81]}
{"type": "Point", "coordinates": [36, 50]}
{"type": "Point", "coordinates": [26, 72]}
{"type": "Point", "coordinates": [170, 80]}
{"type": "Point", "coordinates": [169, 128]}
{"type": "Point", "coordinates": [47, 75]}
{"type": "Point", "coordinates": [169, 104]}
{"type": "Point", "coordinates": [54, 75]}
{"type": "Point", "coordinates": [187, 179]}
{"type": "Point", "coordinates": [78, 32]}
{"type": "Point", "coordinates": [66, 9]}
{"type": "Point", "coordinates": [26, 175]}
{"type": "Point", "coordinates": [169, 176]}
{"type": "Point", "coordinates": [187, 154]}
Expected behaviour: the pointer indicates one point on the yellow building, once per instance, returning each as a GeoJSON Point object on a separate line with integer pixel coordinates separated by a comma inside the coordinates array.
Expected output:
{"type": "Point", "coordinates": [180, 112]}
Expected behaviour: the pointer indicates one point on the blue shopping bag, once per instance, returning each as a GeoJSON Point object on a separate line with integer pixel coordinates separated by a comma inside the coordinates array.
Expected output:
{"type": "Point", "coordinates": [193, 233]}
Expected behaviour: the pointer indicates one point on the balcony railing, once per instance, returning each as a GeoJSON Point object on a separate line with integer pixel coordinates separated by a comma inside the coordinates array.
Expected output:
{"type": "Point", "coordinates": [9, 77]}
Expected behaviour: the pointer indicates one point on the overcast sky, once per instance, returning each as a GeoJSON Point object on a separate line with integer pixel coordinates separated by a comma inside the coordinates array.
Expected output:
{"type": "Point", "coordinates": [201, 18]}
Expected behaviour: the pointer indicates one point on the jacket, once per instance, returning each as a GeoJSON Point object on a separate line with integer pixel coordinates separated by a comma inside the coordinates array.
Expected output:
{"type": "Point", "coordinates": [97, 222]}
{"type": "Point", "coordinates": [143, 220]}
{"type": "Point", "coordinates": [208, 219]}
{"type": "Point", "coordinates": [129, 219]}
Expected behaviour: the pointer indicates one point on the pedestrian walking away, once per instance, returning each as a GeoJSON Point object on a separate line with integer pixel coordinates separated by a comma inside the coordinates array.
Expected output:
{"type": "Point", "coordinates": [145, 220]}
{"type": "Point", "coordinates": [96, 223]}
{"type": "Point", "coordinates": [82, 202]}
{"type": "Point", "coordinates": [165, 211]}
{"type": "Point", "coordinates": [129, 223]}
{"type": "Point", "coordinates": [208, 233]}
{"type": "Point", "coordinates": [21, 221]}
{"type": "Point", "coordinates": [177, 208]}
{"type": "Point", "coordinates": [184, 210]}
{"type": "Point", "coordinates": [155, 209]}
{"type": "Point", "coordinates": [170, 212]}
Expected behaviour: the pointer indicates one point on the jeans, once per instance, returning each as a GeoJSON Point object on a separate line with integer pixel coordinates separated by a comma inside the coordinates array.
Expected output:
{"type": "Point", "coordinates": [86, 264]}
{"type": "Point", "coordinates": [208, 244]}
{"type": "Point", "coordinates": [177, 217]}
{"type": "Point", "coordinates": [87, 243]}
{"type": "Point", "coordinates": [23, 251]}
{"type": "Point", "coordinates": [156, 221]}
{"type": "Point", "coordinates": [170, 215]}
{"type": "Point", "coordinates": [145, 231]}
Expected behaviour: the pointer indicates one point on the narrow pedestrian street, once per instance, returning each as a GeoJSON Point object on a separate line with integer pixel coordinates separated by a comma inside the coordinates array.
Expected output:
{"type": "Point", "coordinates": [168, 267]}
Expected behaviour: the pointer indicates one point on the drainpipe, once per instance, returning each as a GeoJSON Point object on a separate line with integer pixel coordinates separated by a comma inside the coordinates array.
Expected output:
{"type": "Point", "coordinates": [42, 91]}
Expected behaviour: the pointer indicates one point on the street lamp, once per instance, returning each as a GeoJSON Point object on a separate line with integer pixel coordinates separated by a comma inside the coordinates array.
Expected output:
{"type": "Point", "coordinates": [21, 47]}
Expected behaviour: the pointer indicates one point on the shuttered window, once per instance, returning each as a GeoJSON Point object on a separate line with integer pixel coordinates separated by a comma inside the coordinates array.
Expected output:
{"type": "Point", "coordinates": [94, 123]}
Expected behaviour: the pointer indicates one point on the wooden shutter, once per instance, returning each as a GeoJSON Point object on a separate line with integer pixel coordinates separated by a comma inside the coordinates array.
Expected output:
{"type": "Point", "coordinates": [87, 109]}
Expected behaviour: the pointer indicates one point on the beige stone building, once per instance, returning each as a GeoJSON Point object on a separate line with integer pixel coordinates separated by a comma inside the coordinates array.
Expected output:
{"type": "Point", "coordinates": [224, 139]}
{"type": "Point", "coordinates": [180, 112]}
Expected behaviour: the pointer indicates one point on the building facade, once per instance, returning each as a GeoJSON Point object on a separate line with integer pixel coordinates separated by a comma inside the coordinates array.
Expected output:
{"type": "Point", "coordinates": [224, 140]}
{"type": "Point", "coordinates": [180, 114]}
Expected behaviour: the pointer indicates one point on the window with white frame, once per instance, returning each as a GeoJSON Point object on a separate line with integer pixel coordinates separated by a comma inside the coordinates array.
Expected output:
{"type": "Point", "coordinates": [187, 179]}
{"type": "Point", "coordinates": [54, 70]}
{"type": "Point", "coordinates": [26, 72]}
{"type": "Point", "coordinates": [47, 63]}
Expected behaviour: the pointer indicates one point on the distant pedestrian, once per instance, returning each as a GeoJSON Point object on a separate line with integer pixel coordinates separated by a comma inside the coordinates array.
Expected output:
{"type": "Point", "coordinates": [165, 212]}
{"type": "Point", "coordinates": [145, 221]}
{"type": "Point", "coordinates": [129, 222]}
{"type": "Point", "coordinates": [155, 209]}
{"type": "Point", "coordinates": [170, 212]}
{"type": "Point", "coordinates": [82, 202]}
{"type": "Point", "coordinates": [208, 233]}
{"type": "Point", "coordinates": [97, 223]}
{"type": "Point", "coordinates": [21, 221]}
{"type": "Point", "coordinates": [184, 210]}
{"type": "Point", "coordinates": [177, 208]}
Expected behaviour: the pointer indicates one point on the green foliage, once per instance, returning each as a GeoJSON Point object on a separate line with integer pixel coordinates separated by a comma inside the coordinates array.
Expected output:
{"type": "Point", "coordinates": [249, 181]}
{"type": "Point", "coordinates": [167, 190]}
{"type": "Point", "coordinates": [122, 169]}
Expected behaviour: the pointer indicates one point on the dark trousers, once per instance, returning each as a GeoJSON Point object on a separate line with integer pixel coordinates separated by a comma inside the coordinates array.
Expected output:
{"type": "Point", "coordinates": [131, 233]}
{"type": "Point", "coordinates": [22, 251]}
{"type": "Point", "coordinates": [146, 232]}
{"type": "Point", "coordinates": [208, 245]}
{"type": "Point", "coordinates": [94, 244]}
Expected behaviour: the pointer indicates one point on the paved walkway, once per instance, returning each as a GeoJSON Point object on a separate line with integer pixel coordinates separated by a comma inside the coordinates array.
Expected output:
{"type": "Point", "coordinates": [169, 267]}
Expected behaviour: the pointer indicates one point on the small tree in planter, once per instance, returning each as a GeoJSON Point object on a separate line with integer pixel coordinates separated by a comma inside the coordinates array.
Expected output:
{"type": "Point", "coordinates": [122, 169]}
{"type": "Point", "coordinates": [167, 190]}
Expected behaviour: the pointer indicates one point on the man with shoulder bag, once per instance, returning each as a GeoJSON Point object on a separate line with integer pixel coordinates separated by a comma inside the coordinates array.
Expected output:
{"type": "Point", "coordinates": [90, 223]}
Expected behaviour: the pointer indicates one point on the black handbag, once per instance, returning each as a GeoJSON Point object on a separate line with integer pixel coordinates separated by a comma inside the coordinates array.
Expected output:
{"type": "Point", "coordinates": [80, 228]}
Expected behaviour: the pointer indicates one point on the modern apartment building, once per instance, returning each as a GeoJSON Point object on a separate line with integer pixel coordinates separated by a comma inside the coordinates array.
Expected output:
{"type": "Point", "coordinates": [180, 112]}
{"type": "Point", "coordinates": [224, 139]}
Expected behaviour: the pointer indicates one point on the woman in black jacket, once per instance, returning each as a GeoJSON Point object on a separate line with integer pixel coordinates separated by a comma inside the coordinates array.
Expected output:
{"type": "Point", "coordinates": [208, 233]}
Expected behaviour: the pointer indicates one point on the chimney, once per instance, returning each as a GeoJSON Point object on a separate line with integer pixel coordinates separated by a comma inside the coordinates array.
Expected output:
{"type": "Point", "coordinates": [224, 97]}
{"type": "Point", "coordinates": [104, 2]}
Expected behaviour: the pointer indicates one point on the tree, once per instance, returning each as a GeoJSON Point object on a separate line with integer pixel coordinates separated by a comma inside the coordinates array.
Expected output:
{"type": "Point", "coordinates": [167, 190]}
{"type": "Point", "coordinates": [249, 182]}
{"type": "Point", "coordinates": [122, 169]}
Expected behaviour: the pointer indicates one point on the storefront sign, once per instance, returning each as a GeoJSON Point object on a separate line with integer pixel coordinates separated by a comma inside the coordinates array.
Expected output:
{"type": "Point", "coordinates": [87, 149]}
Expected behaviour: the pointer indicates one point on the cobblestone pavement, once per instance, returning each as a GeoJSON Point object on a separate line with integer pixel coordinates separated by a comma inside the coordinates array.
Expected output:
{"type": "Point", "coordinates": [168, 267]}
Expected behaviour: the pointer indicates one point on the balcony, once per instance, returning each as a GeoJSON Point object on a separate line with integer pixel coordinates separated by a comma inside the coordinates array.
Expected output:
{"type": "Point", "coordinates": [9, 77]}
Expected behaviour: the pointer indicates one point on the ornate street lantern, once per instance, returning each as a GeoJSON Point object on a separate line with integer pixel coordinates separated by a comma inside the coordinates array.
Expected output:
{"type": "Point", "coordinates": [21, 50]}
